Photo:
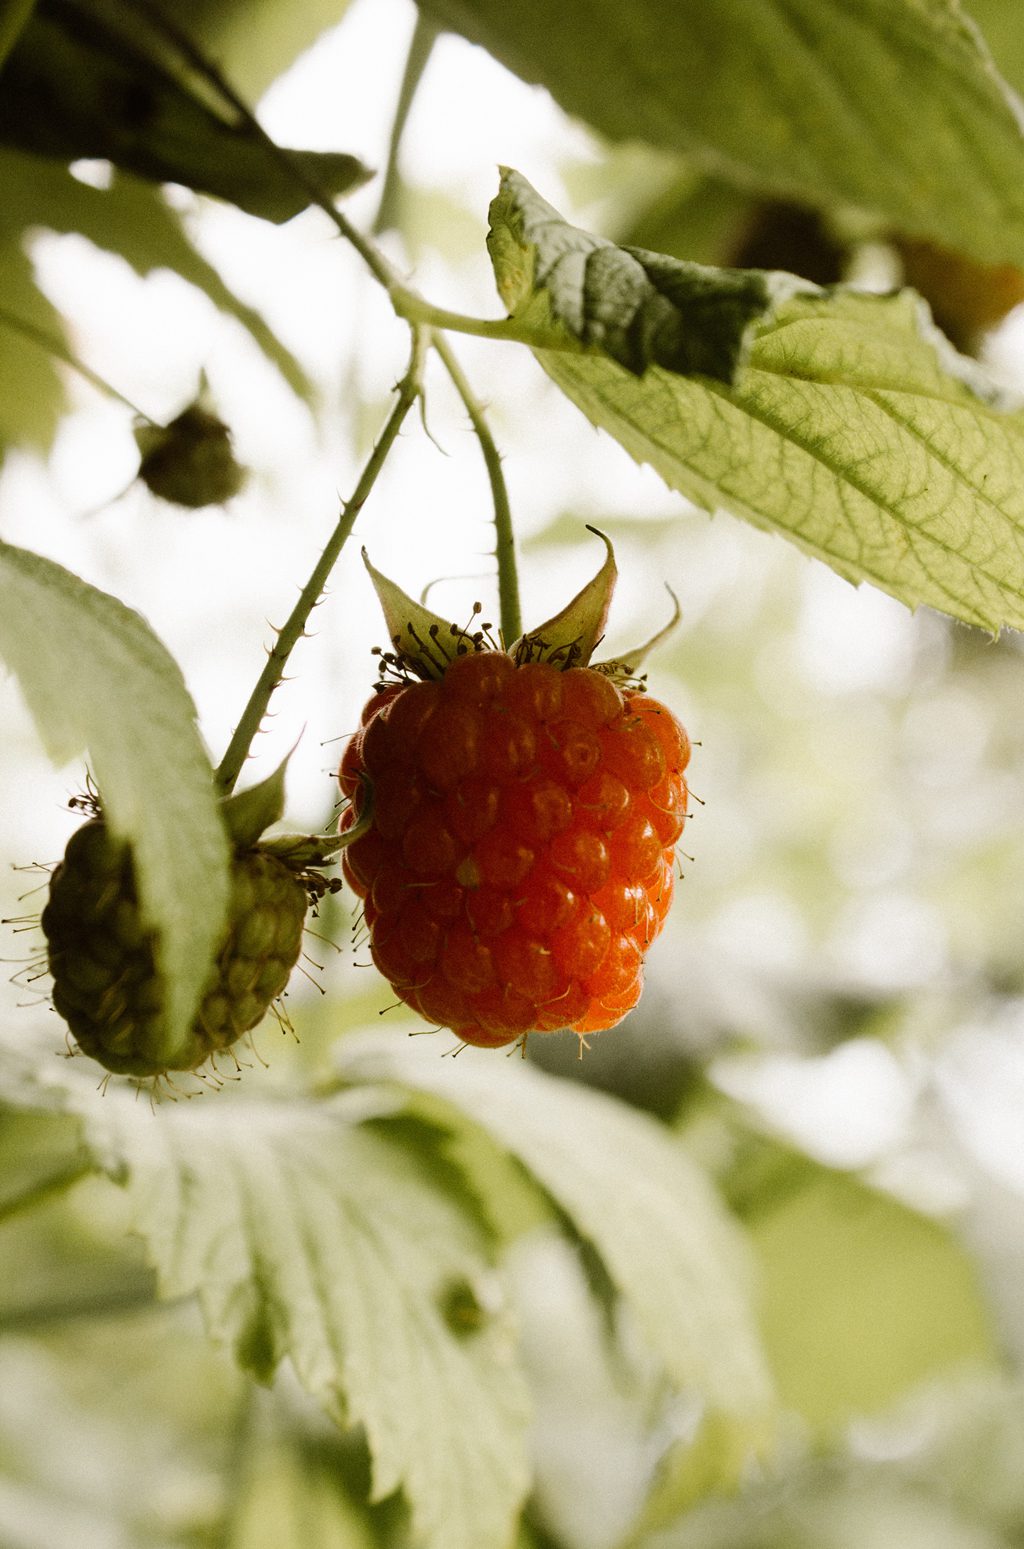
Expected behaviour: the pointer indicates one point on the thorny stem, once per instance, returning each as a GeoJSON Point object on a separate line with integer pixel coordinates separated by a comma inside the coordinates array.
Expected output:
{"type": "Point", "coordinates": [408, 305]}
{"type": "Point", "coordinates": [505, 547]}
{"type": "Point", "coordinates": [291, 632]}
{"type": "Point", "coordinates": [425, 34]}
{"type": "Point", "coordinates": [60, 351]}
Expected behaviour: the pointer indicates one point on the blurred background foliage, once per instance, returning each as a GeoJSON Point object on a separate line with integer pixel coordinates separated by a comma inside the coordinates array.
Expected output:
{"type": "Point", "coordinates": [834, 1022]}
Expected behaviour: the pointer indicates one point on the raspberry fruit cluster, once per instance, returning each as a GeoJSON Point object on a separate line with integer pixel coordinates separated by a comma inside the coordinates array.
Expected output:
{"type": "Point", "coordinates": [106, 982]}
{"type": "Point", "coordinates": [519, 859]}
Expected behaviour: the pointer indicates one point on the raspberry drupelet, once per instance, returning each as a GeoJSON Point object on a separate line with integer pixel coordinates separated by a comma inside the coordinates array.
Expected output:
{"type": "Point", "coordinates": [519, 858]}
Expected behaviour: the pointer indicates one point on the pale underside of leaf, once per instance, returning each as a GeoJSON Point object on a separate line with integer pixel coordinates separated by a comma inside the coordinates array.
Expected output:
{"type": "Point", "coordinates": [310, 1236]}
{"type": "Point", "coordinates": [630, 1191]}
{"type": "Point", "coordinates": [891, 106]}
{"type": "Point", "coordinates": [98, 681]}
{"type": "Point", "coordinates": [845, 434]}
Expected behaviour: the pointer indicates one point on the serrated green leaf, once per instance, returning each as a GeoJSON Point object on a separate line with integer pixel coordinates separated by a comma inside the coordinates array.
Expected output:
{"type": "Point", "coordinates": [98, 681]}
{"type": "Point", "coordinates": [631, 1192]}
{"type": "Point", "coordinates": [854, 432]}
{"type": "Point", "coordinates": [131, 218]}
{"type": "Point", "coordinates": [638, 308]}
{"type": "Point", "coordinates": [891, 106]}
{"type": "Point", "coordinates": [106, 94]}
{"type": "Point", "coordinates": [333, 1242]}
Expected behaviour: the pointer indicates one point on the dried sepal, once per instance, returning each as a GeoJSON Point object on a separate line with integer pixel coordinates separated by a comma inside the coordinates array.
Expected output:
{"type": "Point", "coordinates": [570, 638]}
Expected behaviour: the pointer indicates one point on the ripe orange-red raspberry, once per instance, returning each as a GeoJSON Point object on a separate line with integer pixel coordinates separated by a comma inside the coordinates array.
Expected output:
{"type": "Point", "coordinates": [519, 861]}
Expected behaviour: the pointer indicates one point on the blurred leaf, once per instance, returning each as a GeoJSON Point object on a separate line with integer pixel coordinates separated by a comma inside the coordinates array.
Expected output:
{"type": "Point", "coordinates": [828, 1508]}
{"type": "Point", "coordinates": [14, 14]}
{"type": "Point", "coordinates": [852, 429]}
{"type": "Point", "coordinates": [699, 218]}
{"type": "Point", "coordinates": [715, 1462]}
{"type": "Point", "coordinates": [333, 1243]}
{"type": "Point", "coordinates": [999, 21]}
{"type": "Point", "coordinates": [31, 389]}
{"type": "Point", "coordinates": [970, 1437]}
{"type": "Point", "coordinates": [133, 219]}
{"type": "Point", "coordinates": [39, 1153]}
{"type": "Point", "coordinates": [295, 1497]}
{"type": "Point", "coordinates": [862, 1298]}
{"type": "Point", "coordinates": [111, 1435]}
{"type": "Point", "coordinates": [638, 308]}
{"type": "Point", "coordinates": [629, 1190]}
{"type": "Point", "coordinates": [77, 84]}
{"type": "Point", "coordinates": [892, 106]}
{"type": "Point", "coordinates": [97, 680]}
{"type": "Point", "coordinates": [255, 41]}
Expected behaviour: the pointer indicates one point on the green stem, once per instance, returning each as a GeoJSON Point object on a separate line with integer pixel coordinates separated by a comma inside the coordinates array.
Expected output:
{"type": "Point", "coordinates": [407, 303]}
{"type": "Point", "coordinates": [60, 351]}
{"type": "Point", "coordinates": [292, 631]}
{"type": "Point", "coordinates": [424, 36]}
{"type": "Point", "coordinates": [414, 309]}
{"type": "Point", "coordinates": [505, 547]}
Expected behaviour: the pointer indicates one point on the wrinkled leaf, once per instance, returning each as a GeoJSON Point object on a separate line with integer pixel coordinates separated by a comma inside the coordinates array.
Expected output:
{"type": "Point", "coordinates": [78, 84]}
{"type": "Point", "coordinates": [853, 430]}
{"type": "Point", "coordinates": [891, 106]}
{"type": "Point", "coordinates": [629, 1190]}
{"type": "Point", "coordinates": [638, 308]}
{"type": "Point", "coordinates": [334, 1243]}
{"type": "Point", "coordinates": [98, 681]}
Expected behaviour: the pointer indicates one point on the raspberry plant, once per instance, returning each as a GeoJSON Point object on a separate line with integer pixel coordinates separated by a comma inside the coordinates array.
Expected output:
{"type": "Point", "coordinates": [746, 1270]}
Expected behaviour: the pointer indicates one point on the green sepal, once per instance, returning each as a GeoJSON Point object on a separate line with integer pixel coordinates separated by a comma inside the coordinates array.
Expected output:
{"type": "Point", "coordinates": [247, 814]}
{"type": "Point", "coordinates": [628, 663]}
{"type": "Point", "coordinates": [424, 641]}
{"type": "Point", "coordinates": [571, 637]}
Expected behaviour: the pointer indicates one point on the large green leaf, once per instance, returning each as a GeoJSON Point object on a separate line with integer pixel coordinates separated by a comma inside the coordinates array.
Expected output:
{"type": "Point", "coordinates": [852, 429]}
{"type": "Point", "coordinates": [893, 106]}
{"type": "Point", "coordinates": [131, 218]}
{"type": "Point", "coordinates": [80, 82]}
{"type": "Point", "coordinates": [97, 680]}
{"type": "Point", "coordinates": [336, 1243]}
{"type": "Point", "coordinates": [629, 1190]}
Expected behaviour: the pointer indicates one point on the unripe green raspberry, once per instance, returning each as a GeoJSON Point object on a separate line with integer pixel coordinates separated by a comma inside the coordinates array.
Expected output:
{"type": "Point", "coordinates": [106, 983]}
